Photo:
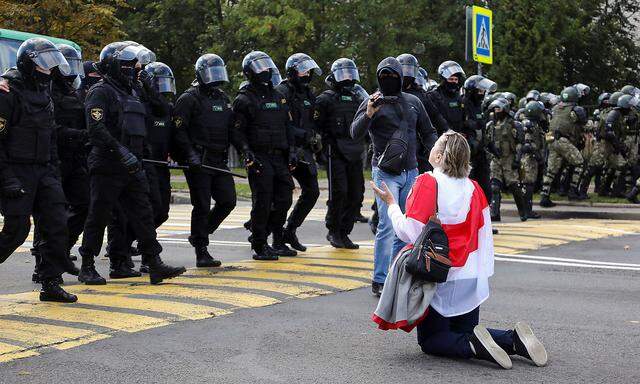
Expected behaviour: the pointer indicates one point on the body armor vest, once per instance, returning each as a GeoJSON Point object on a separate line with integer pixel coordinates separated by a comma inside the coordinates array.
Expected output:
{"type": "Point", "coordinates": [267, 129]}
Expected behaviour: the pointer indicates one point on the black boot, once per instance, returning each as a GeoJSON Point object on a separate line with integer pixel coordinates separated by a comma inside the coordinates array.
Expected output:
{"type": "Point", "coordinates": [348, 244]}
{"type": "Point", "coordinates": [586, 181]}
{"type": "Point", "coordinates": [120, 270]}
{"type": "Point", "coordinates": [527, 345]}
{"type": "Point", "coordinates": [574, 195]}
{"type": "Point", "coordinates": [247, 225]}
{"type": "Point", "coordinates": [51, 291]}
{"type": "Point", "coordinates": [605, 187]}
{"type": "Point", "coordinates": [70, 267]}
{"type": "Point", "coordinates": [546, 202]}
{"type": "Point", "coordinates": [204, 258]}
{"type": "Point", "coordinates": [360, 218]}
{"type": "Point", "coordinates": [280, 248]}
{"type": "Point", "coordinates": [159, 271]}
{"type": "Point", "coordinates": [485, 348]}
{"type": "Point", "coordinates": [521, 204]}
{"type": "Point", "coordinates": [263, 252]}
{"type": "Point", "coordinates": [632, 196]}
{"type": "Point", "coordinates": [88, 273]}
{"type": "Point", "coordinates": [496, 198]}
{"type": "Point", "coordinates": [528, 197]}
{"type": "Point", "coordinates": [335, 239]}
{"type": "Point", "coordinates": [144, 265]}
{"type": "Point", "coordinates": [291, 238]}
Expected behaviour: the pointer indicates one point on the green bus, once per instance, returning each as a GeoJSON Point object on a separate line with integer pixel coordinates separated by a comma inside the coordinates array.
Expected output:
{"type": "Point", "coordinates": [10, 42]}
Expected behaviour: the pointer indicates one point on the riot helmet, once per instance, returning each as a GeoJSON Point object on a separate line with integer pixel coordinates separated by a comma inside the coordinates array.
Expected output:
{"type": "Point", "coordinates": [145, 55]}
{"type": "Point", "coordinates": [522, 102]}
{"type": "Point", "coordinates": [570, 95]}
{"type": "Point", "coordinates": [276, 78]}
{"type": "Point", "coordinates": [630, 90]}
{"type": "Point", "coordinates": [422, 79]}
{"type": "Point", "coordinates": [533, 95]}
{"type": "Point", "coordinates": [118, 61]}
{"type": "Point", "coordinates": [510, 97]}
{"type": "Point", "coordinates": [583, 90]}
{"type": "Point", "coordinates": [480, 83]}
{"type": "Point", "coordinates": [613, 100]}
{"type": "Point", "coordinates": [450, 68]}
{"type": "Point", "coordinates": [298, 64]}
{"type": "Point", "coordinates": [161, 77]}
{"type": "Point", "coordinates": [534, 110]}
{"type": "Point", "coordinates": [499, 103]}
{"type": "Point", "coordinates": [581, 115]}
{"type": "Point", "coordinates": [76, 68]}
{"type": "Point", "coordinates": [345, 71]}
{"type": "Point", "coordinates": [603, 99]}
{"type": "Point", "coordinates": [211, 70]}
{"type": "Point", "coordinates": [627, 102]}
{"type": "Point", "coordinates": [258, 67]}
{"type": "Point", "coordinates": [410, 66]}
{"type": "Point", "coordinates": [42, 53]}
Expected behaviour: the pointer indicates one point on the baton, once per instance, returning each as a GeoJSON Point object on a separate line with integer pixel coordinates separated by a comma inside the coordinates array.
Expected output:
{"type": "Point", "coordinates": [167, 164]}
{"type": "Point", "coordinates": [329, 175]}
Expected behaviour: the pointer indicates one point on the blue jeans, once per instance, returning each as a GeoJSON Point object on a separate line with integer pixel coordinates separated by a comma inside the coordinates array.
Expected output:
{"type": "Point", "coordinates": [387, 243]}
{"type": "Point", "coordinates": [449, 336]}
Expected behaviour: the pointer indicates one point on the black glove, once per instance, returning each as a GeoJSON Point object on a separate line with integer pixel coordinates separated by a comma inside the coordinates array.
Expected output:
{"type": "Point", "coordinates": [194, 162]}
{"type": "Point", "coordinates": [293, 158]}
{"type": "Point", "coordinates": [12, 188]}
{"type": "Point", "coordinates": [249, 158]}
{"type": "Point", "coordinates": [515, 165]}
{"type": "Point", "coordinates": [144, 78]}
{"type": "Point", "coordinates": [129, 160]}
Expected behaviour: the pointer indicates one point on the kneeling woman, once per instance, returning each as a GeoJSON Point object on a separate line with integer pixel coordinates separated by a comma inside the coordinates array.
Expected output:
{"type": "Point", "coordinates": [451, 325]}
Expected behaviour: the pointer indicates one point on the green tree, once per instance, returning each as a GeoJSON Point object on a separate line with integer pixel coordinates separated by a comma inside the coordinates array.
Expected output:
{"type": "Point", "coordinates": [91, 24]}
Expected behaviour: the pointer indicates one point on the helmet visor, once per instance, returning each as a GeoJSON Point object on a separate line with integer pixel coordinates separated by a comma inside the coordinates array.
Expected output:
{"type": "Point", "coordinates": [75, 68]}
{"type": "Point", "coordinates": [487, 85]}
{"type": "Point", "coordinates": [421, 82]}
{"type": "Point", "coordinates": [409, 70]}
{"type": "Point", "coordinates": [449, 69]}
{"type": "Point", "coordinates": [308, 65]}
{"type": "Point", "coordinates": [166, 84]}
{"type": "Point", "coordinates": [50, 59]}
{"type": "Point", "coordinates": [276, 78]}
{"type": "Point", "coordinates": [213, 74]}
{"type": "Point", "coordinates": [261, 64]}
{"type": "Point", "coordinates": [342, 74]}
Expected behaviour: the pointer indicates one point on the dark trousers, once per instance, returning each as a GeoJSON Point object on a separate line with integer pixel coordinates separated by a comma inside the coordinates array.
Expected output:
{"type": "Point", "coordinates": [307, 177]}
{"type": "Point", "coordinates": [75, 183]}
{"type": "Point", "coordinates": [271, 192]}
{"type": "Point", "coordinates": [203, 186]}
{"type": "Point", "coordinates": [131, 193]}
{"type": "Point", "coordinates": [449, 336]}
{"type": "Point", "coordinates": [45, 201]}
{"type": "Point", "coordinates": [347, 194]}
{"type": "Point", "coordinates": [481, 173]}
{"type": "Point", "coordinates": [160, 193]}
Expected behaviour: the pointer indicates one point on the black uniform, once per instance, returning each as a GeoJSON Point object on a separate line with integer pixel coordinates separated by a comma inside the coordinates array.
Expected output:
{"type": "Point", "coordinates": [335, 110]}
{"type": "Point", "coordinates": [475, 123]}
{"type": "Point", "coordinates": [301, 103]}
{"type": "Point", "coordinates": [116, 123]}
{"type": "Point", "coordinates": [438, 121]}
{"type": "Point", "coordinates": [265, 128]}
{"type": "Point", "coordinates": [29, 161]}
{"type": "Point", "coordinates": [207, 120]}
{"type": "Point", "coordinates": [451, 107]}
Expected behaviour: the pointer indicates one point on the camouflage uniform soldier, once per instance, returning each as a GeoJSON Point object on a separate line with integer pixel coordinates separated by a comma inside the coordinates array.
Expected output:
{"type": "Point", "coordinates": [597, 156]}
{"type": "Point", "coordinates": [505, 137]}
{"type": "Point", "coordinates": [566, 126]}
{"type": "Point", "coordinates": [531, 151]}
{"type": "Point", "coordinates": [631, 138]}
{"type": "Point", "coordinates": [610, 151]}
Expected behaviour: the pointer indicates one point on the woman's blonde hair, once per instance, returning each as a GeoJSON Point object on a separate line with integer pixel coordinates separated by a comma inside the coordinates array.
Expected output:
{"type": "Point", "coordinates": [456, 154]}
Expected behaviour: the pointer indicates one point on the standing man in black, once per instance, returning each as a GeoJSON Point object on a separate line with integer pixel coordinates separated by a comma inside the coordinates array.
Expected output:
{"type": "Point", "coordinates": [29, 174]}
{"type": "Point", "coordinates": [300, 69]}
{"type": "Point", "coordinates": [266, 131]}
{"type": "Point", "coordinates": [475, 88]}
{"type": "Point", "coordinates": [335, 109]}
{"type": "Point", "coordinates": [447, 99]}
{"type": "Point", "coordinates": [204, 116]}
{"type": "Point", "coordinates": [116, 123]}
{"type": "Point", "coordinates": [411, 84]}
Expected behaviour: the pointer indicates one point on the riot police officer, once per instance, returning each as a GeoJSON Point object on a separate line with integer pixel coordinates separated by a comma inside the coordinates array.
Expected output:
{"type": "Point", "coordinates": [267, 135]}
{"type": "Point", "coordinates": [505, 136]}
{"type": "Point", "coordinates": [567, 129]}
{"type": "Point", "coordinates": [203, 112]}
{"type": "Point", "coordinates": [632, 135]}
{"type": "Point", "coordinates": [446, 97]}
{"type": "Point", "coordinates": [411, 72]}
{"type": "Point", "coordinates": [335, 109]}
{"type": "Point", "coordinates": [531, 153]}
{"type": "Point", "coordinates": [475, 89]}
{"type": "Point", "coordinates": [300, 69]}
{"type": "Point", "coordinates": [116, 123]}
{"type": "Point", "coordinates": [30, 177]}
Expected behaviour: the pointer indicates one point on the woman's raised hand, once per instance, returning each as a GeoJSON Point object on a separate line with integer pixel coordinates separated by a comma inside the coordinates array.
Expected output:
{"type": "Point", "coordinates": [384, 193]}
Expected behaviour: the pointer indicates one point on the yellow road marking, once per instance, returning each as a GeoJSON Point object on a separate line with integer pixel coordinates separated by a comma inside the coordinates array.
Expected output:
{"type": "Point", "coordinates": [333, 282]}
{"type": "Point", "coordinates": [184, 310]}
{"type": "Point", "coordinates": [310, 268]}
{"type": "Point", "coordinates": [36, 335]}
{"type": "Point", "coordinates": [237, 299]}
{"type": "Point", "coordinates": [327, 261]}
{"type": "Point", "coordinates": [297, 290]}
{"type": "Point", "coordinates": [18, 354]}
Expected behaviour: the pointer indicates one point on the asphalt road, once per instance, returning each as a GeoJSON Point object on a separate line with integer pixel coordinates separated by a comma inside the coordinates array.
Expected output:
{"type": "Point", "coordinates": [582, 298]}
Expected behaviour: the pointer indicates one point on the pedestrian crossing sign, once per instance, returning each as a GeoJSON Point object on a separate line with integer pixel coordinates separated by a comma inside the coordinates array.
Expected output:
{"type": "Point", "coordinates": [482, 35]}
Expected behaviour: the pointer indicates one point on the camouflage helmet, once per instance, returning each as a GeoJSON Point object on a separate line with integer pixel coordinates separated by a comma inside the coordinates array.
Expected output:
{"type": "Point", "coordinates": [533, 94]}
{"type": "Point", "coordinates": [569, 95]}
{"type": "Point", "coordinates": [603, 99]}
{"type": "Point", "coordinates": [501, 103]}
{"type": "Point", "coordinates": [534, 110]}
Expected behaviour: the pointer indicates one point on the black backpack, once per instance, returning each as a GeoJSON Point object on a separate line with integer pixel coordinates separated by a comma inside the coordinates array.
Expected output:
{"type": "Point", "coordinates": [429, 259]}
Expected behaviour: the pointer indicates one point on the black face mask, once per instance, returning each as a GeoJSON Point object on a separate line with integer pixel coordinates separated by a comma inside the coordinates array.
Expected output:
{"type": "Point", "coordinates": [129, 73]}
{"type": "Point", "coordinates": [263, 77]}
{"type": "Point", "coordinates": [451, 88]}
{"type": "Point", "coordinates": [389, 85]}
{"type": "Point", "coordinates": [89, 81]}
{"type": "Point", "coordinates": [210, 88]}
{"type": "Point", "coordinates": [41, 78]}
{"type": "Point", "coordinates": [304, 80]}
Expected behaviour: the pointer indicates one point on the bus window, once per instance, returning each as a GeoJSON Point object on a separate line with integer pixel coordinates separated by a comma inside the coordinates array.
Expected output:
{"type": "Point", "coordinates": [8, 50]}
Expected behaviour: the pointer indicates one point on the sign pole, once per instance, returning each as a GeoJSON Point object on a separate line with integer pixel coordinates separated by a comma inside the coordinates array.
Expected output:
{"type": "Point", "coordinates": [480, 69]}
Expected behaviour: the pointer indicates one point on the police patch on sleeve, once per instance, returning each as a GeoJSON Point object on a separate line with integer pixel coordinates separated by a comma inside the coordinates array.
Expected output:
{"type": "Point", "coordinates": [316, 114]}
{"type": "Point", "coordinates": [97, 114]}
{"type": "Point", "coordinates": [3, 124]}
{"type": "Point", "coordinates": [178, 122]}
